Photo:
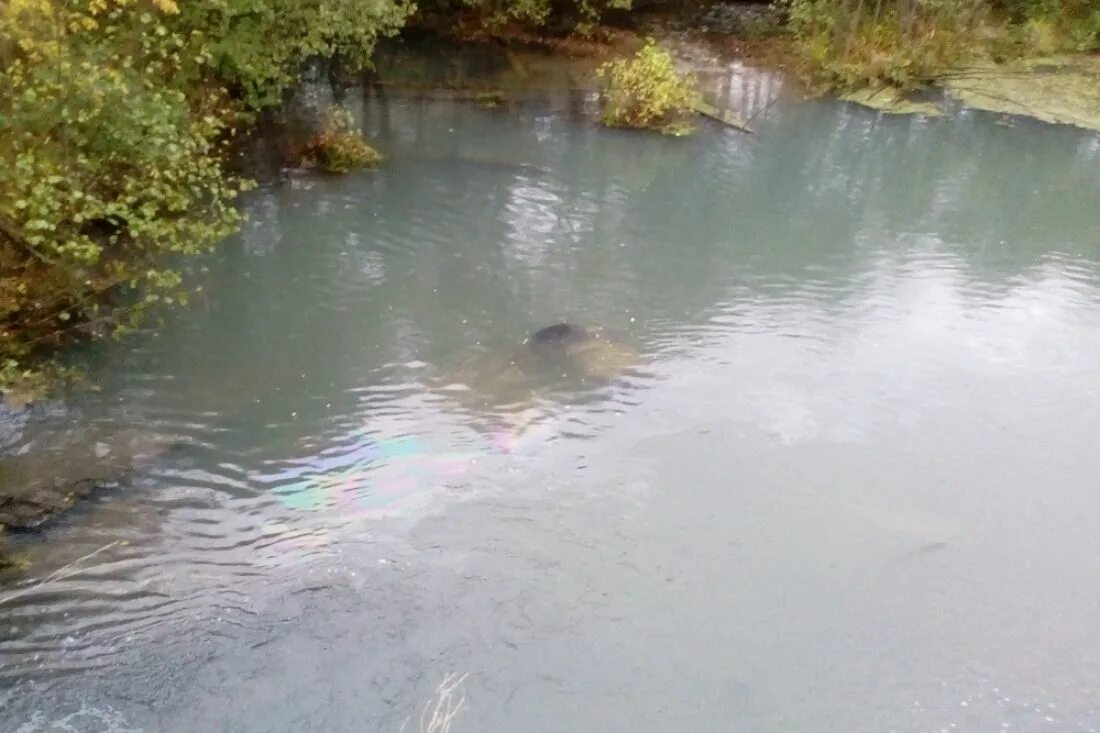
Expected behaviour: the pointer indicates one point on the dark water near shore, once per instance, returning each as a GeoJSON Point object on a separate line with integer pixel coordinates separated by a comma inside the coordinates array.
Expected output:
{"type": "Point", "coordinates": [849, 484]}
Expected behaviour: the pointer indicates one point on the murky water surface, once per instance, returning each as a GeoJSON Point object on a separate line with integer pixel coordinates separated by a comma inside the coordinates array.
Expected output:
{"type": "Point", "coordinates": [844, 479]}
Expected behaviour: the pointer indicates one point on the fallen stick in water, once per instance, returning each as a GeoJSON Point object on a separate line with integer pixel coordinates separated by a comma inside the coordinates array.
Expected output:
{"type": "Point", "coordinates": [60, 574]}
{"type": "Point", "coordinates": [726, 118]}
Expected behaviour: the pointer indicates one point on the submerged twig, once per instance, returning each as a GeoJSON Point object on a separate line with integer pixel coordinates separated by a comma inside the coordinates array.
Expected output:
{"type": "Point", "coordinates": [762, 110]}
{"type": "Point", "coordinates": [60, 574]}
{"type": "Point", "coordinates": [708, 110]}
{"type": "Point", "coordinates": [438, 717]}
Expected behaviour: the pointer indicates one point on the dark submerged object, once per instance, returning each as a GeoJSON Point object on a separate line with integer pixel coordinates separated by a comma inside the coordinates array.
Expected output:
{"type": "Point", "coordinates": [560, 357]}
{"type": "Point", "coordinates": [560, 334]}
{"type": "Point", "coordinates": [557, 347]}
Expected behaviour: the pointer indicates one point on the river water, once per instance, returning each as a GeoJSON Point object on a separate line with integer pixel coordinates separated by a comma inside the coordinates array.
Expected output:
{"type": "Point", "coordinates": [849, 484]}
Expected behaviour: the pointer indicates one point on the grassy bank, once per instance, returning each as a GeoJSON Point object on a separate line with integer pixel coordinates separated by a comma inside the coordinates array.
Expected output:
{"type": "Point", "coordinates": [850, 46]}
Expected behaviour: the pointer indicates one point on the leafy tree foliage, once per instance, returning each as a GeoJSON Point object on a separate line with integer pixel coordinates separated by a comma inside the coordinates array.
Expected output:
{"type": "Point", "coordinates": [114, 116]}
{"type": "Point", "coordinates": [577, 16]}
{"type": "Point", "coordinates": [257, 47]}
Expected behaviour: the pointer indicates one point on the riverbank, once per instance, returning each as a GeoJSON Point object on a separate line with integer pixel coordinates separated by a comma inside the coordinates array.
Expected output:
{"type": "Point", "coordinates": [1020, 67]}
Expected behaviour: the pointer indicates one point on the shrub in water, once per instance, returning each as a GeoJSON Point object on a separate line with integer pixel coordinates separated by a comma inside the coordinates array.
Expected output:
{"type": "Point", "coordinates": [646, 91]}
{"type": "Point", "coordinates": [339, 147]}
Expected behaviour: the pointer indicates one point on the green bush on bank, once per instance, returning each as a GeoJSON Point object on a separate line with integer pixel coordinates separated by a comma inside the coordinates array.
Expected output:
{"type": "Point", "coordinates": [105, 167]}
{"type": "Point", "coordinates": [1054, 26]}
{"type": "Point", "coordinates": [114, 119]}
{"type": "Point", "coordinates": [256, 47]}
{"type": "Point", "coordinates": [572, 16]}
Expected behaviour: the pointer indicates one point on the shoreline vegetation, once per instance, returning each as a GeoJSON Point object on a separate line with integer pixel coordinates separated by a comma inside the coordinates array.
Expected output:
{"type": "Point", "coordinates": [117, 117]}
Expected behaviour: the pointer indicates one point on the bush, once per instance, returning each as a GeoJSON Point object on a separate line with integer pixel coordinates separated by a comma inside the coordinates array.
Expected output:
{"type": "Point", "coordinates": [339, 147]}
{"type": "Point", "coordinates": [257, 47]}
{"type": "Point", "coordinates": [646, 91]}
{"type": "Point", "coordinates": [105, 168]}
{"type": "Point", "coordinates": [1052, 26]}
{"type": "Point", "coordinates": [114, 116]}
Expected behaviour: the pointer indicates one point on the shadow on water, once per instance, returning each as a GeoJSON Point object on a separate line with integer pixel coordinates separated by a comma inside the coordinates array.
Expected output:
{"type": "Point", "coordinates": [844, 485]}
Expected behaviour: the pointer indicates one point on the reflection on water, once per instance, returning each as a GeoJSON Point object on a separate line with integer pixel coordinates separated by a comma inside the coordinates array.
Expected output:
{"type": "Point", "coordinates": [849, 487]}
